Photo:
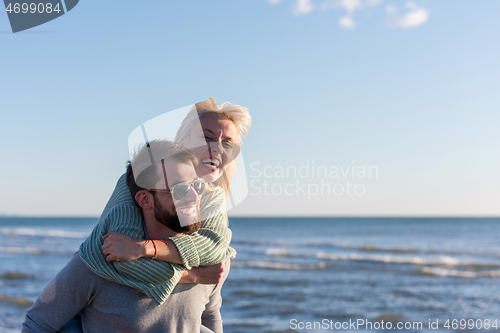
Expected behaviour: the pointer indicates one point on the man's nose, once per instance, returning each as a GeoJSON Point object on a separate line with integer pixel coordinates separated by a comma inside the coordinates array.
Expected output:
{"type": "Point", "coordinates": [192, 196]}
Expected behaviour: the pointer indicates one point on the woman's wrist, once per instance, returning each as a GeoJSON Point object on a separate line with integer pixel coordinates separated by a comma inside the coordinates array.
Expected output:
{"type": "Point", "coordinates": [187, 277]}
{"type": "Point", "coordinates": [148, 249]}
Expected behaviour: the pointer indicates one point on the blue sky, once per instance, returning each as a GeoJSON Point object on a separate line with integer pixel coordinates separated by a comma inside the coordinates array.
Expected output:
{"type": "Point", "coordinates": [408, 87]}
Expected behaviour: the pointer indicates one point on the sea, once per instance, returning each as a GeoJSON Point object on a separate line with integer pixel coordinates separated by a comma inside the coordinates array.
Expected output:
{"type": "Point", "coordinates": [307, 274]}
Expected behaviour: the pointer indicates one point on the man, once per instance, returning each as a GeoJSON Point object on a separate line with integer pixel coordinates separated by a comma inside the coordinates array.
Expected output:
{"type": "Point", "coordinates": [106, 306]}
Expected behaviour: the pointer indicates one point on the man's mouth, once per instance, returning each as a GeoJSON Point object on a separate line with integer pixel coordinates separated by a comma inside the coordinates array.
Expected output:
{"type": "Point", "coordinates": [187, 210]}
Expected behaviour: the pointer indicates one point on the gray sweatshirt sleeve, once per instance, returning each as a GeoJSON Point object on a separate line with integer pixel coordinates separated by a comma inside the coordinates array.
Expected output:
{"type": "Point", "coordinates": [62, 299]}
{"type": "Point", "coordinates": [211, 317]}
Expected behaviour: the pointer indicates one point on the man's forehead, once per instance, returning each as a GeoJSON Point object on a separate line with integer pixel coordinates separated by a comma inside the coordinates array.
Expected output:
{"type": "Point", "coordinates": [176, 172]}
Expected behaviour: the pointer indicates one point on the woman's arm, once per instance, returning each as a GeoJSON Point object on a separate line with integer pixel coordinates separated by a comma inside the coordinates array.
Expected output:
{"type": "Point", "coordinates": [205, 275]}
{"type": "Point", "coordinates": [208, 246]}
{"type": "Point", "coordinates": [120, 247]}
{"type": "Point", "coordinates": [156, 279]}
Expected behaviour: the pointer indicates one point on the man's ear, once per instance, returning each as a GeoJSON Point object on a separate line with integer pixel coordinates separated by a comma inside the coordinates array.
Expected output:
{"type": "Point", "coordinates": [144, 199]}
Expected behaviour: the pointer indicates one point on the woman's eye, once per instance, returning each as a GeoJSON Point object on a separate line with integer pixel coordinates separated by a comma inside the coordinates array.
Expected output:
{"type": "Point", "coordinates": [207, 138]}
{"type": "Point", "coordinates": [227, 144]}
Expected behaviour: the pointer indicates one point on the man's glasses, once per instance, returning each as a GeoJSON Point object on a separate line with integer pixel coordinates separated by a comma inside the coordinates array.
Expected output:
{"type": "Point", "coordinates": [179, 191]}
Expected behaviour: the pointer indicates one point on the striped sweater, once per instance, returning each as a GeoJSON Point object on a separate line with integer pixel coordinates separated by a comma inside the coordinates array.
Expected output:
{"type": "Point", "coordinates": [157, 279]}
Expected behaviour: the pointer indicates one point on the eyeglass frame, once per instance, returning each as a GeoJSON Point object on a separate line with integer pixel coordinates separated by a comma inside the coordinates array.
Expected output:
{"type": "Point", "coordinates": [172, 189]}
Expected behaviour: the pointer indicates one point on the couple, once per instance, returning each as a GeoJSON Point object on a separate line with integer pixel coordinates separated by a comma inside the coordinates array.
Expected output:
{"type": "Point", "coordinates": [166, 215]}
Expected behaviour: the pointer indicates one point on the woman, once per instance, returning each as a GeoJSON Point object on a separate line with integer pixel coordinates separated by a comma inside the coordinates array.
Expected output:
{"type": "Point", "coordinates": [108, 254]}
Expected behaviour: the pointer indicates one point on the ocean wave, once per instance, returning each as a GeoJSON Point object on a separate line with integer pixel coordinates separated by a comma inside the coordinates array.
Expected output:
{"type": "Point", "coordinates": [371, 247]}
{"type": "Point", "coordinates": [437, 271]}
{"type": "Point", "coordinates": [281, 247]}
{"type": "Point", "coordinates": [388, 259]}
{"type": "Point", "coordinates": [15, 275]}
{"type": "Point", "coordinates": [246, 241]}
{"type": "Point", "coordinates": [252, 293]}
{"type": "Point", "coordinates": [29, 250]}
{"type": "Point", "coordinates": [235, 263]}
{"type": "Point", "coordinates": [285, 266]}
{"type": "Point", "coordinates": [364, 247]}
{"type": "Point", "coordinates": [278, 265]}
{"type": "Point", "coordinates": [284, 252]}
{"type": "Point", "coordinates": [477, 266]}
{"type": "Point", "coordinates": [44, 233]}
{"type": "Point", "coordinates": [388, 317]}
{"type": "Point", "coordinates": [16, 300]}
{"type": "Point", "coordinates": [265, 282]}
{"type": "Point", "coordinates": [279, 252]}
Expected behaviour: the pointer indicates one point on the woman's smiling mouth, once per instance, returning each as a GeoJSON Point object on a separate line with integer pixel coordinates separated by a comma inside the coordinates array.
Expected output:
{"type": "Point", "coordinates": [211, 163]}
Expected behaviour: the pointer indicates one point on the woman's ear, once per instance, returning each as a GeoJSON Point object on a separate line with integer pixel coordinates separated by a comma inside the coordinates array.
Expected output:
{"type": "Point", "coordinates": [144, 199]}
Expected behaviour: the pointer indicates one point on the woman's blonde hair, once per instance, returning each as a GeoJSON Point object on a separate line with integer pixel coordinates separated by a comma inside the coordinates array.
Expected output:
{"type": "Point", "coordinates": [237, 114]}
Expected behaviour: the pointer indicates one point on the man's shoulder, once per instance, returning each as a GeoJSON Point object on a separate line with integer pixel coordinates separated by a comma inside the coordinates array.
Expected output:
{"type": "Point", "coordinates": [75, 276]}
{"type": "Point", "coordinates": [214, 194]}
{"type": "Point", "coordinates": [213, 203]}
{"type": "Point", "coordinates": [120, 196]}
{"type": "Point", "coordinates": [76, 266]}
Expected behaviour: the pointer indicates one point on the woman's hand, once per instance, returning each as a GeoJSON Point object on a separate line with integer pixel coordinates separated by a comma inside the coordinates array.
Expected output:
{"type": "Point", "coordinates": [204, 274]}
{"type": "Point", "coordinates": [120, 247]}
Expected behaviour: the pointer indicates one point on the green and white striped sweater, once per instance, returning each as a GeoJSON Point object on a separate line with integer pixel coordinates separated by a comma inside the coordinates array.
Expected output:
{"type": "Point", "coordinates": [157, 279]}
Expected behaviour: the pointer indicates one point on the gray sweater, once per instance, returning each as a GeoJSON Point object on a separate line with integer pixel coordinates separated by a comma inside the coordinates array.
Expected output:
{"type": "Point", "coordinates": [114, 308]}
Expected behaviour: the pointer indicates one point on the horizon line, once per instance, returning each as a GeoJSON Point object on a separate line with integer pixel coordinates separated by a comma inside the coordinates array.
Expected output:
{"type": "Point", "coordinates": [274, 216]}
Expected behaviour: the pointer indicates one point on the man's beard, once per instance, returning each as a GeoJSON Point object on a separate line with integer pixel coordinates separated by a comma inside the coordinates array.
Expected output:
{"type": "Point", "coordinates": [171, 220]}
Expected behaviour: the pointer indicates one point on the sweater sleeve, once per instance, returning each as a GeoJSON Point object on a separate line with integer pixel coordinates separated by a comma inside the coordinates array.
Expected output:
{"type": "Point", "coordinates": [156, 279]}
{"type": "Point", "coordinates": [143, 270]}
{"type": "Point", "coordinates": [210, 244]}
{"type": "Point", "coordinates": [62, 299]}
{"type": "Point", "coordinates": [211, 317]}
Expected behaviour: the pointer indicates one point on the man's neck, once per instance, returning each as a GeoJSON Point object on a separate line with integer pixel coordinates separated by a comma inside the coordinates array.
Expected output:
{"type": "Point", "coordinates": [158, 230]}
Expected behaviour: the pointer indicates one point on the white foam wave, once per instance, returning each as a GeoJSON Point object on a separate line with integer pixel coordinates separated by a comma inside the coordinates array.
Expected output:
{"type": "Point", "coordinates": [14, 275]}
{"type": "Point", "coordinates": [280, 252]}
{"type": "Point", "coordinates": [364, 247]}
{"type": "Point", "coordinates": [368, 247]}
{"type": "Point", "coordinates": [44, 233]}
{"type": "Point", "coordinates": [286, 266]}
{"type": "Point", "coordinates": [389, 259]}
{"type": "Point", "coordinates": [18, 301]}
{"type": "Point", "coordinates": [30, 250]}
{"type": "Point", "coordinates": [456, 273]}
{"type": "Point", "coordinates": [237, 264]}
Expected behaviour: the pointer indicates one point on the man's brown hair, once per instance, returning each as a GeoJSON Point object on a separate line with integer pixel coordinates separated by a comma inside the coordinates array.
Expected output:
{"type": "Point", "coordinates": [143, 164]}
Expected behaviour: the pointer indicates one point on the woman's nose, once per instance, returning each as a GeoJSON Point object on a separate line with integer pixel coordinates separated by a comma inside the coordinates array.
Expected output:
{"type": "Point", "coordinates": [216, 148]}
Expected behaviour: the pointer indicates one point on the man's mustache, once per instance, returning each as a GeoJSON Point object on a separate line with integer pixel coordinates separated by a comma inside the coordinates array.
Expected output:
{"type": "Point", "coordinates": [187, 220]}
